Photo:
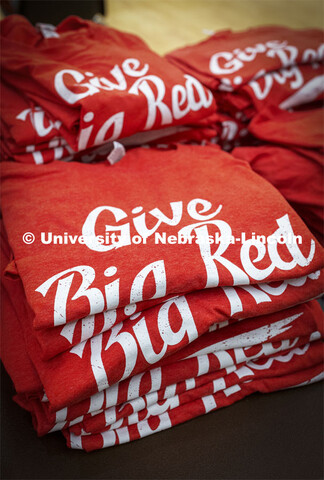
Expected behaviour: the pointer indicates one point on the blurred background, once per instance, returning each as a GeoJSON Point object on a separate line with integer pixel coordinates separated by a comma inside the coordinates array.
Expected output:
{"type": "Point", "coordinates": [169, 24]}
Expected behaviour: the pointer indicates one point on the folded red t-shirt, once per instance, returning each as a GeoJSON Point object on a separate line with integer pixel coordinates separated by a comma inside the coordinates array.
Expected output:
{"type": "Point", "coordinates": [198, 191]}
{"type": "Point", "coordinates": [133, 346]}
{"type": "Point", "coordinates": [95, 95]}
{"type": "Point", "coordinates": [200, 406]}
{"type": "Point", "coordinates": [302, 129]}
{"type": "Point", "coordinates": [228, 60]}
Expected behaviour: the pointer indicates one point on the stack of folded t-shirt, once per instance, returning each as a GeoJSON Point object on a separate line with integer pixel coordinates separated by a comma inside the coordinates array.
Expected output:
{"type": "Point", "coordinates": [252, 70]}
{"type": "Point", "coordinates": [145, 294]}
{"type": "Point", "coordinates": [69, 91]}
{"type": "Point", "coordinates": [270, 83]}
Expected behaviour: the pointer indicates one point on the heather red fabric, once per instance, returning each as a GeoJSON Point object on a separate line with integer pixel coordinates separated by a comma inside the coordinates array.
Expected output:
{"type": "Point", "coordinates": [230, 302]}
{"type": "Point", "coordinates": [28, 135]}
{"type": "Point", "coordinates": [78, 418]}
{"type": "Point", "coordinates": [132, 347]}
{"type": "Point", "coordinates": [25, 123]}
{"type": "Point", "coordinates": [182, 366]}
{"type": "Point", "coordinates": [112, 342]}
{"type": "Point", "coordinates": [95, 96]}
{"type": "Point", "coordinates": [190, 410]}
{"type": "Point", "coordinates": [117, 361]}
{"type": "Point", "coordinates": [256, 69]}
{"type": "Point", "coordinates": [225, 337]}
{"type": "Point", "coordinates": [183, 200]}
{"type": "Point", "coordinates": [228, 60]}
{"type": "Point", "coordinates": [308, 356]}
{"type": "Point", "coordinates": [130, 351]}
{"type": "Point", "coordinates": [216, 304]}
{"type": "Point", "coordinates": [284, 329]}
{"type": "Point", "coordinates": [305, 87]}
{"type": "Point", "coordinates": [302, 129]}
{"type": "Point", "coordinates": [287, 88]}
{"type": "Point", "coordinates": [296, 173]}
{"type": "Point", "coordinates": [163, 400]}
{"type": "Point", "coordinates": [13, 352]}
{"type": "Point", "coordinates": [223, 347]}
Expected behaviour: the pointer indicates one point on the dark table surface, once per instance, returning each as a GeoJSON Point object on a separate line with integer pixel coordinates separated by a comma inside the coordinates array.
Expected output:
{"type": "Point", "coordinates": [278, 435]}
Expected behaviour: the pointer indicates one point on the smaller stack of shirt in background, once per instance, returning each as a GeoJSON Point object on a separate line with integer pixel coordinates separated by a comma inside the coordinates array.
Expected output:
{"type": "Point", "coordinates": [272, 78]}
{"type": "Point", "coordinates": [251, 70]}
